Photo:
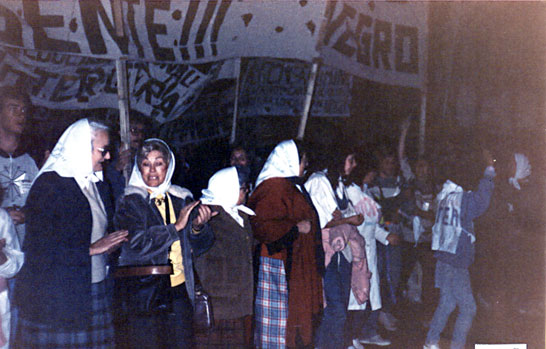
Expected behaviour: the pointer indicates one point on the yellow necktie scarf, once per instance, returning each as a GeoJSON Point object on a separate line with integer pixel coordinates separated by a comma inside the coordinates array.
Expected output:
{"type": "Point", "coordinates": [175, 254]}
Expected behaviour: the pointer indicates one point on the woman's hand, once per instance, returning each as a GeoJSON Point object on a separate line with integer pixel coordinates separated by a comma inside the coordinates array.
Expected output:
{"type": "Point", "coordinates": [108, 243]}
{"type": "Point", "coordinates": [355, 220]}
{"type": "Point", "coordinates": [304, 226]}
{"type": "Point", "coordinates": [184, 215]}
{"type": "Point", "coordinates": [204, 215]}
{"type": "Point", "coordinates": [336, 215]}
{"type": "Point", "coordinates": [393, 239]}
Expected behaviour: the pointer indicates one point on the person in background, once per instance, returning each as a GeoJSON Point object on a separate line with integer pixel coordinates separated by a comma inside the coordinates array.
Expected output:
{"type": "Point", "coordinates": [226, 270]}
{"type": "Point", "coordinates": [289, 292]}
{"type": "Point", "coordinates": [62, 291]}
{"type": "Point", "coordinates": [114, 170]}
{"type": "Point", "coordinates": [239, 157]}
{"type": "Point", "coordinates": [11, 261]}
{"type": "Point", "coordinates": [453, 239]}
{"type": "Point", "coordinates": [515, 216]}
{"type": "Point", "coordinates": [417, 215]}
{"type": "Point", "coordinates": [154, 285]}
{"type": "Point", "coordinates": [328, 192]}
{"type": "Point", "coordinates": [388, 190]}
{"type": "Point", "coordinates": [363, 318]}
{"type": "Point", "coordinates": [17, 168]}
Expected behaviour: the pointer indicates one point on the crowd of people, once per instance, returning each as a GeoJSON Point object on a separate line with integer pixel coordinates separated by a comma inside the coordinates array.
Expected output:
{"type": "Point", "coordinates": [290, 257]}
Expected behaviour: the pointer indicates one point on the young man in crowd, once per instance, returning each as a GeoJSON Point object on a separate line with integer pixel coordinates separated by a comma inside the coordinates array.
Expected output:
{"type": "Point", "coordinates": [17, 168]}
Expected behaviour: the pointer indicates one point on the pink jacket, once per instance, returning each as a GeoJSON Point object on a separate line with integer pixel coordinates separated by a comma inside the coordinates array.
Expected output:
{"type": "Point", "coordinates": [334, 240]}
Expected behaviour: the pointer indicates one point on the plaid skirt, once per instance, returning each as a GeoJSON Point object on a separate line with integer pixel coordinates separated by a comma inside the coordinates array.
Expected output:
{"type": "Point", "coordinates": [271, 307]}
{"type": "Point", "coordinates": [99, 334]}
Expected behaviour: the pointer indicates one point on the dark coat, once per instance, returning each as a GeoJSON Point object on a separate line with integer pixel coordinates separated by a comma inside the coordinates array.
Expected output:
{"type": "Point", "coordinates": [226, 271]}
{"type": "Point", "coordinates": [279, 206]}
{"type": "Point", "coordinates": [150, 239]}
{"type": "Point", "coordinates": [56, 276]}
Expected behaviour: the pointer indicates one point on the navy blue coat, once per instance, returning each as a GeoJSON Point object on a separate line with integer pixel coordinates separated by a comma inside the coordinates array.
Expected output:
{"type": "Point", "coordinates": [54, 285]}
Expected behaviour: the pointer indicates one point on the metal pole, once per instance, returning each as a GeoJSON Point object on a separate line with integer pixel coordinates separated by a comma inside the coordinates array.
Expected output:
{"type": "Point", "coordinates": [123, 103]}
{"type": "Point", "coordinates": [236, 103]}
{"type": "Point", "coordinates": [123, 90]}
{"type": "Point", "coordinates": [308, 100]}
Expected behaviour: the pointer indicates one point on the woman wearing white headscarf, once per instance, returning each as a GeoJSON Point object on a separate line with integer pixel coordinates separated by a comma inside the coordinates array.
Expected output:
{"type": "Point", "coordinates": [61, 290]}
{"type": "Point", "coordinates": [289, 292]}
{"type": "Point", "coordinates": [154, 279]}
{"type": "Point", "coordinates": [226, 270]}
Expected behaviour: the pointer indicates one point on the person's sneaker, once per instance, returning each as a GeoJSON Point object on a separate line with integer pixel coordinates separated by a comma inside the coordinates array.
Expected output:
{"type": "Point", "coordinates": [388, 321]}
{"type": "Point", "coordinates": [356, 345]}
{"type": "Point", "coordinates": [431, 346]}
{"type": "Point", "coordinates": [375, 340]}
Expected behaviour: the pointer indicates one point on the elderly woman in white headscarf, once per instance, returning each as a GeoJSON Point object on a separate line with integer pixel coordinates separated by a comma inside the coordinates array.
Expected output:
{"type": "Point", "coordinates": [61, 290]}
{"type": "Point", "coordinates": [154, 278]}
{"type": "Point", "coordinates": [226, 270]}
{"type": "Point", "coordinates": [289, 292]}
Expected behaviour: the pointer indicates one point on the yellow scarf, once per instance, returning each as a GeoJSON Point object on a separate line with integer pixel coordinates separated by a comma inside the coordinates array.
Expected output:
{"type": "Point", "coordinates": [175, 253]}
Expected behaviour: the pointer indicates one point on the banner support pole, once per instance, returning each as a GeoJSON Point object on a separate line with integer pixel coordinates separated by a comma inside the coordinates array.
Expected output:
{"type": "Point", "coordinates": [308, 99]}
{"type": "Point", "coordinates": [236, 102]}
{"type": "Point", "coordinates": [122, 87]}
{"type": "Point", "coordinates": [123, 104]}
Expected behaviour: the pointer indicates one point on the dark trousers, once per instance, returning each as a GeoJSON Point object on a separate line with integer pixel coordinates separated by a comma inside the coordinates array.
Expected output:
{"type": "Point", "coordinates": [389, 266]}
{"type": "Point", "coordinates": [362, 323]}
{"type": "Point", "coordinates": [163, 329]}
{"type": "Point", "coordinates": [337, 287]}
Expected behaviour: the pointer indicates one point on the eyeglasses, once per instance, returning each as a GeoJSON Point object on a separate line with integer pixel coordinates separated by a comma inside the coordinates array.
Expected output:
{"type": "Point", "coordinates": [103, 151]}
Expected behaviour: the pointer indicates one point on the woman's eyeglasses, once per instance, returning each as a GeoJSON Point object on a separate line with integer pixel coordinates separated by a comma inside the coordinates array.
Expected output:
{"type": "Point", "coordinates": [103, 151]}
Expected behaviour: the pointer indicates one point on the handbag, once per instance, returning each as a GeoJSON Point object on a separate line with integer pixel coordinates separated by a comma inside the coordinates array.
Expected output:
{"type": "Point", "coordinates": [203, 318]}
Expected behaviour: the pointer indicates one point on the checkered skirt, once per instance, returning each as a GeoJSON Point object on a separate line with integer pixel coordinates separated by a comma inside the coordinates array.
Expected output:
{"type": "Point", "coordinates": [271, 307]}
{"type": "Point", "coordinates": [99, 334]}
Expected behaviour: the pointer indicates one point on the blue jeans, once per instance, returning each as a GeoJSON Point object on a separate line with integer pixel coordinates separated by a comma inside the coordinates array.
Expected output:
{"type": "Point", "coordinates": [455, 291]}
{"type": "Point", "coordinates": [337, 287]}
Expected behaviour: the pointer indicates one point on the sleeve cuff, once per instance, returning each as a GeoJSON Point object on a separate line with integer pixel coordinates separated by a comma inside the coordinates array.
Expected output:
{"type": "Point", "coordinates": [490, 172]}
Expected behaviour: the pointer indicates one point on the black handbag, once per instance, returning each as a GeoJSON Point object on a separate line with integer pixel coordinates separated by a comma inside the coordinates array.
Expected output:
{"type": "Point", "coordinates": [203, 318]}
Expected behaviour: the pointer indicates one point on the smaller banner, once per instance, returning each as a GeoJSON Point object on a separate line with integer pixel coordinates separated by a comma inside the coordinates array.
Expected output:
{"type": "Point", "coordinates": [162, 91]}
{"type": "Point", "coordinates": [277, 87]}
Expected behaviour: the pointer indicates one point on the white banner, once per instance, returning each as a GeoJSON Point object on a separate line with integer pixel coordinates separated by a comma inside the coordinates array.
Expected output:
{"type": "Point", "coordinates": [161, 91]}
{"type": "Point", "coordinates": [165, 30]}
{"type": "Point", "coordinates": [383, 41]}
{"type": "Point", "coordinates": [277, 87]}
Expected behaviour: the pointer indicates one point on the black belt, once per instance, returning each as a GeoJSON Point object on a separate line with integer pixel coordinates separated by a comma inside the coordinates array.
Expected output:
{"type": "Point", "coordinates": [121, 272]}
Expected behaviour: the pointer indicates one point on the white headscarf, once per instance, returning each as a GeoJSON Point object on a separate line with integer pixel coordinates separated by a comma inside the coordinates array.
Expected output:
{"type": "Point", "coordinates": [523, 170]}
{"type": "Point", "coordinates": [283, 161]}
{"type": "Point", "coordinates": [71, 156]}
{"type": "Point", "coordinates": [136, 177]}
{"type": "Point", "coordinates": [223, 190]}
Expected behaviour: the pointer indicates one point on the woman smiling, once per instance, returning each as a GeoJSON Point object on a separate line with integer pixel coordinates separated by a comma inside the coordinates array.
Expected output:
{"type": "Point", "coordinates": [155, 281]}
